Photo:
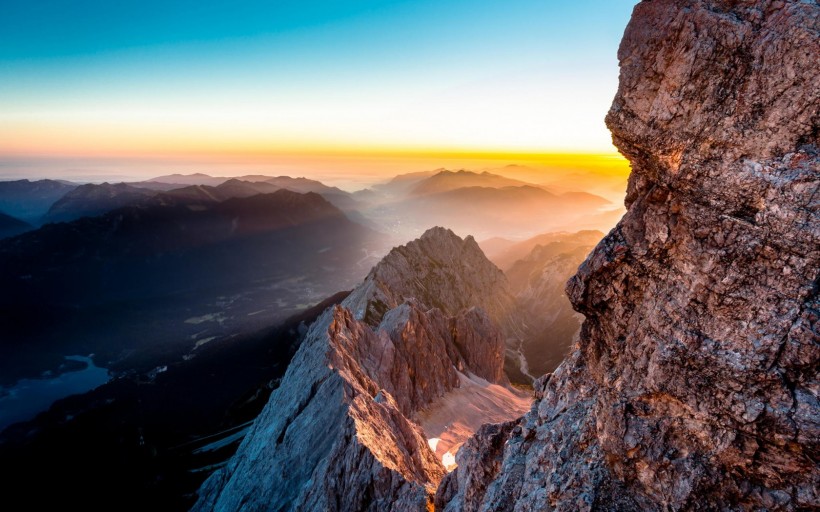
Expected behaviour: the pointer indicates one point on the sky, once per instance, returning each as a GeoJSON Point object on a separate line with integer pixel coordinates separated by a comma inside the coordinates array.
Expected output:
{"type": "Point", "coordinates": [128, 87]}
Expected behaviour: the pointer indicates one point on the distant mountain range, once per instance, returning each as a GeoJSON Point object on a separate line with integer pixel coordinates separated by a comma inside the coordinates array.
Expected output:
{"type": "Point", "coordinates": [30, 200]}
{"type": "Point", "coordinates": [483, 204]}
{"type": "Point", "coordinates": [479, 203]}
{"type": "Point", "coordinates": [164, 251]}
{"type": "Point", "coordinates": [446, 181]}
{"type": "Point", "coordinates": [505, 253]}
{"type": "Point", "coordinates": [168, 270]}
{"type": "Point", "coordinates": [487, 211]}
{"type": "Point", "coordinates": [91, 200]}
{"type": "Point", "coordinates": [95, 199]}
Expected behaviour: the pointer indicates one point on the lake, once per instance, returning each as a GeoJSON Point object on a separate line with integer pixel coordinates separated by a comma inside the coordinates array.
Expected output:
{"type": "Point", "coordinates": [29, 397]}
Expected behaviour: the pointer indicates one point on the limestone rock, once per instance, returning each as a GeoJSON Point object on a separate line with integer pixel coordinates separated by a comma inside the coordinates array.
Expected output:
{"type": "Point", "coordinates": [439, 270]}
{"type": "Point", "coordinates": [695, 382]}
{"type": "Point", "coordinates": [341, 433]}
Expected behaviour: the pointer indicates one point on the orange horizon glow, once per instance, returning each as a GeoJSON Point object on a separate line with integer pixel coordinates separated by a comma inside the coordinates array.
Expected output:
{"type": "Point", "coordinates": [612, 163]}
{"type": "Point", "coordinates": [602, 173]}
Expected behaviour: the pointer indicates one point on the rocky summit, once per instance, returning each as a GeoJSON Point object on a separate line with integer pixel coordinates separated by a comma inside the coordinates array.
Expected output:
{"type": "Point", "coordinates": [343, 431]}
{"type": "Point", "coordinates": [694, 385]}
{"type": "Point", "coordinates": [439, 269]}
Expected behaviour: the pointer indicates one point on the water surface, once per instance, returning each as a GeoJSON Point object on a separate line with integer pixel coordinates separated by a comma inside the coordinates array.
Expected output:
{"type": "Point", "coordinates": [28, 397]}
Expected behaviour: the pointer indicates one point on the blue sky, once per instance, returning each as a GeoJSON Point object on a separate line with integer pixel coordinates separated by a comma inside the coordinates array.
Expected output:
{"type": "Point", "coordinates": [88, 77]}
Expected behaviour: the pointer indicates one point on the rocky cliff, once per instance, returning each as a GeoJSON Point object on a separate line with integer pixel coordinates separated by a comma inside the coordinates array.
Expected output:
{"type": "Point", "coordinates": [343, 432]}
{"type": "Point", "coordinates": [695, 382]}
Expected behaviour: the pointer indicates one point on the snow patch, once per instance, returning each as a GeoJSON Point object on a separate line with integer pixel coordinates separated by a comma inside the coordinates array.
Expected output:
{"type": "Point", "coordinates": [455, 417]}
{"type": "Point", "coordinates": [449, 461]}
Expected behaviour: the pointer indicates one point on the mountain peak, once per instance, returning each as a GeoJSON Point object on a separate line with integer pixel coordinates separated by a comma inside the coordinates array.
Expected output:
{"type": "Point", "coordinates": [439, 269]}
{"type": "Point", "coordinates": [445, 181]}
{"type": "Point", "coordinates": [351, 404]}
{"type": "Point", "coordinates": [442, 234]}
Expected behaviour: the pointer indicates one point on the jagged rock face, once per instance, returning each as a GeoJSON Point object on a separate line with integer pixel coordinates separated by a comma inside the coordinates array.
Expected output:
{"type": "Point", "coordinates": [695, 384]}
{"type": "Point", "coordinates": [439, 270]}
{"type": "Point", "coordinates": [340, 432]}
{"type": "Point", "coordinates": [328, 436]}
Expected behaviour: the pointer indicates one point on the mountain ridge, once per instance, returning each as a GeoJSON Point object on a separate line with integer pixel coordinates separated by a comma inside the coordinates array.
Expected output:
{"type": "Point", "coordinates": [357, 387]}
{"type": "Point", "coordinates": [154, 252]}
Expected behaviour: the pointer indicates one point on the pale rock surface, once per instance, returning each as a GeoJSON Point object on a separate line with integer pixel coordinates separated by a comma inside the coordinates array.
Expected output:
{"type": "Point", "coordinates": [341, 432]}
{"type": "Point", "coordinates": [440, 270]}
{"type": "Point", "coordinates": [695, 382]}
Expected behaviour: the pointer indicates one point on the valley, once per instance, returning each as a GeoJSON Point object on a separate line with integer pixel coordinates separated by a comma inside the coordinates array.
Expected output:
{"type": "Point", "coordinates": [190, 282]}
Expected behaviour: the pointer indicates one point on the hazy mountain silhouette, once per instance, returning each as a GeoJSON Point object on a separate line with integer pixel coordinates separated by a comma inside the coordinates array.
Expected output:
{"type": "Point", "coordinates": [30, 200]}
{"type": "Point", "coordinates": [189, 179]}
{"type": "Point", "coordinates": [338, 197]}
{"type": "Point", "coordinates": [486, 212]}
{"type": "Point", "coordinates": [504, 253]}
{"type": "Point", "coordinates": [403, 183]}
{"type": "Point", "coordinates": [169, 271]}
{"type": "Point", "coordinates": [92, 199]}
{"type": "Point", "coordinates": [446, 181]}
{"type": "Point", "coordinates": [226, 190]}
{"type": "Point", "coordinates": [548, 323]}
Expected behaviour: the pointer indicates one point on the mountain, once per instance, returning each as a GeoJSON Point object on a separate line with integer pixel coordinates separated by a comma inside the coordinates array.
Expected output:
{"type": "Point", "coordinates": [303, 185]}
{"type": "Point", "coordinates": [504, 255]}
{"type": "Point", "coordinates": [264, 184]}
{"type": "Point", "coordinates": [92, 199]}
{"type": "Point", "coordinates": [152, 436]}
{"type": "Point", "coordinates": [548, 324]}
{"type": "Point", "coordinates": [403, 183]}
{"type": "Point", "coordinates": [155, 275]}
{"type": "Point", "coordinates": [602, 175]}
{"type": "Point", "coordinates": [188, 179]}
{"type": "Point", "coordinates": [232, 188]}
{"type": "Point", "coordinates": [10, 226]}
{"type": "Point", "coordinates": [487, 212]}
{"type": "Point", "coordinates": [444, 181]}
{"type": "Point", "coordinates": [338, 197]}
{"type": "Point", "coordinates": [491, 247]}
{"type": "Point", "coordinates": [349, 405]}
{"type": "Point", "coordinates": [30, 200]}
{"type": "Point", "coordinates": [158, 186]}
{"type": "Point", "coordinates": [244, 188]}
{"type": "Point", "coordinates": [694, 382]}
{"type": "Point", "coordinates": [438, 269]}
{"type": "Point", "coordinates": [95, 199]}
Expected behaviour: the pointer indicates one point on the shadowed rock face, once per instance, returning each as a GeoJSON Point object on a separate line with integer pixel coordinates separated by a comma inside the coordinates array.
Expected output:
{"type": "Point", "coordinates": [695, 383]}
{"type": "Point", "coordinates": [341, 431]}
